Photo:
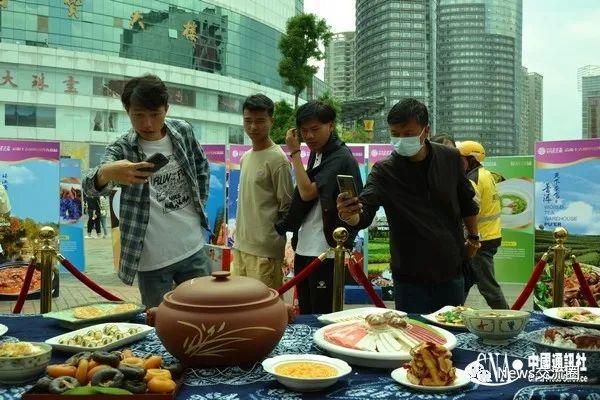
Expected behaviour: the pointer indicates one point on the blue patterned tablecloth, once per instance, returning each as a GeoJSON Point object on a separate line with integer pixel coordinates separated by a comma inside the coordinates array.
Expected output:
{"type": "Point", "coordinates": [251, 382]}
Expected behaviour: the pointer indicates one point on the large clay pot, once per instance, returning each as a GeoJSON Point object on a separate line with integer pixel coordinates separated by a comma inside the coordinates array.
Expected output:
{"type": "Point", "coordinates": [220, 320]}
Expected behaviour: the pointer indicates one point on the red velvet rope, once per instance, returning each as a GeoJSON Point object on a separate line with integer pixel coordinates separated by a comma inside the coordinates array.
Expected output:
{"type": "Point", "coordinates": [531, 283]}
{"type": "Point", "coordinates": [355, 268]}
{"type": "Point", "coordinates": [585, 289]}
{"type": "Point", "coordinates": [25, 288]}
{"type": "Point", "coordinates": [301, 276]}
{"type": "Point", "coordinates": [87, 281]}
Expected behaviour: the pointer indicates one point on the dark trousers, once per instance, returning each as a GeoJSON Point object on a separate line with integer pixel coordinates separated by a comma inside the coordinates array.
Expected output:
{"type": "Point", "coordinates": [426, 298]}
{"type": "Point", "coordinates": [315, 293]}
{"type": "Point", "coordinates": [93, 224]}
{"type": "Point", "coordinates": [485, 277]}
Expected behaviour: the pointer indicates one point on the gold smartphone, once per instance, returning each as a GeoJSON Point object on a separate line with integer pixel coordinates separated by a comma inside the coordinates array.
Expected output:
{"type": "Point", "coordinates": [346, 184]}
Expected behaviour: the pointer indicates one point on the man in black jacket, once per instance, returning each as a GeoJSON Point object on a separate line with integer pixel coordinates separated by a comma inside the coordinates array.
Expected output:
{"type": "Point", "coordinates": [427, 197]}
{"type": "Point", "coordinates": [313, 213]}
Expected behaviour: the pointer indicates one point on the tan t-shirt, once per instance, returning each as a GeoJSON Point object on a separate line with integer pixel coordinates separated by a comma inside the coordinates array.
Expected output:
{"type": "Point", "coordinates": [264, 195]}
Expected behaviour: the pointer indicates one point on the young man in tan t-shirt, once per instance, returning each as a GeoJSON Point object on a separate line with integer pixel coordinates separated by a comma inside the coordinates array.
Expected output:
{"type": "Point", "coordinates": [264, 196]}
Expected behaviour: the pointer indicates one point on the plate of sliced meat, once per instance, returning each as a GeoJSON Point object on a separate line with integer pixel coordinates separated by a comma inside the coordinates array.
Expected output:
{"type": "Point", "coordinates": [379, 341]}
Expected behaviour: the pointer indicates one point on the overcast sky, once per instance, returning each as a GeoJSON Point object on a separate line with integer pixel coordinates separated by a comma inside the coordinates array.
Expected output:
{"type": "Point", "coordinates": [559, 36]}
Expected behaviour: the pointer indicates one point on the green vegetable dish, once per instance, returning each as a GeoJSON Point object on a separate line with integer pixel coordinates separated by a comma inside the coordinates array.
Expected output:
{"type": "Point", "coordinates": [512, 204]}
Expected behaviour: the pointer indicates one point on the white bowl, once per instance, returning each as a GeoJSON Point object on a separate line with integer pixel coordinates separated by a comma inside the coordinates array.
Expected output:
{"type": "Point", "coordinates": [523, 189]}
{"type": "Point", "coordinates": [495, 327]}
{"type": "Point", "coordinates": [306, 384]}
{"type": "Point", "coordinates": [22, 369]}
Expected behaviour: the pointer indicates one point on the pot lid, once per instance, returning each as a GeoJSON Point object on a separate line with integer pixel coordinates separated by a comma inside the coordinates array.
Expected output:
{"type": "Point", "coordinates": [221, 290]}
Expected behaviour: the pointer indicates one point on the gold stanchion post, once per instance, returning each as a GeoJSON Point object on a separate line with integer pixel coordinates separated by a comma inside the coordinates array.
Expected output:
{"type": "Point", "coordinates": [47, 235]}
{"type": "Point", "coordinates": [558, 272]}
{"type": "Point", "coordinates": [340, 235]}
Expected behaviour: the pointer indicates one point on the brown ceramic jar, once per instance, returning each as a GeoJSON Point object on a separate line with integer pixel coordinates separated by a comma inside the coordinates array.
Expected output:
{"type": "Point", "coordinates": [220, 320]}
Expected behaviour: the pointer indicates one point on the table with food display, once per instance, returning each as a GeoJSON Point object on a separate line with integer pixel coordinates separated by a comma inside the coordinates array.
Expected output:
{"type": "Point", "coordinates": [224, 337]}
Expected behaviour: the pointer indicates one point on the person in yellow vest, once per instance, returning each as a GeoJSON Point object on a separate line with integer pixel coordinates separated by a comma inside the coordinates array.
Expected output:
{"type": "Point", "coordinates": [488, 223]}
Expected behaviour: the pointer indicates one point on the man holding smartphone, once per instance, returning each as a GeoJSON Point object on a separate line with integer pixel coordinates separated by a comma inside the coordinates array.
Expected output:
{"type": "Point", "coordinates": [313, 215]}
{"type": "Point", "coordinates": [427, 197]}
{"type": "Point", "coordinates": [162, 208]}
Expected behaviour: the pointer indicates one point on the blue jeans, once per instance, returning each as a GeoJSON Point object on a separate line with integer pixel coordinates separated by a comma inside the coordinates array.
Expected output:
{"type": "Point", "coordinates": [427, 298]}
{"type": "Point", "coordinates": [154, 285]}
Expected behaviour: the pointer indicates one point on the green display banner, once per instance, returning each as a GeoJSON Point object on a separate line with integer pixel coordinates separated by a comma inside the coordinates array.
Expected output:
{"type": "Point", "coordinates": [514, 181]}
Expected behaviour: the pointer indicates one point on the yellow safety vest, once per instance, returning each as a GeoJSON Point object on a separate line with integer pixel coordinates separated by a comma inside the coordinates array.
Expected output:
{"type": "Point", "coordinates": [488, 219]}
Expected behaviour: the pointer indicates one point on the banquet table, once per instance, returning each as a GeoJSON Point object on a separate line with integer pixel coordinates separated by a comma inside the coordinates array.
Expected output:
{"type": "Point", "coordinates": [252, 382]}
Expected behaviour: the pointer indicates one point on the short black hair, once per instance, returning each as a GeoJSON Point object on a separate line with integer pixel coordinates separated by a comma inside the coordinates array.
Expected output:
{"type": "Point", "coordinates": [259, 102]}
{"type": "Point", "coordinates": [407, 110]}
{"type": "Point", "coordinates": [441, 138]}
{"type": "Point", "coordinates": [315, 109]}
{"type": "Point", "coordinates": [147, 91]}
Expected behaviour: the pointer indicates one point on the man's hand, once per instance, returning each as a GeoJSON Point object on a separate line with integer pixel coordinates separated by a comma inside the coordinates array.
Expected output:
{"type": "Point", "coordinates": [471, 247]}
{"type": "Point", "coordinates": [124, 172]}
{"type": "Point", "coordinates": [349, 208]}
{"type": "Point", "coordinates": [292, 140]}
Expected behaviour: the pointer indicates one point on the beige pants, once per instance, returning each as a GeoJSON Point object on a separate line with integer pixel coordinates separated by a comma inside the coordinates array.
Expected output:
{"type": "Point", "coordinates": [267, 270]}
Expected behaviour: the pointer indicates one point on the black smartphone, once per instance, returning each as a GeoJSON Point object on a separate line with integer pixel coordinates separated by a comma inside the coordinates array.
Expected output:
{"type": "Point", "coordinates": [159, 161]}
{"type": "Point", "coordinates": [346, 184]}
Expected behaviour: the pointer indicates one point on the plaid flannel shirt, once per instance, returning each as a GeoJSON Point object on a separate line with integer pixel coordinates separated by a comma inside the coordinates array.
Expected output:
{"type": "Point", "coordinates": [135, 199]}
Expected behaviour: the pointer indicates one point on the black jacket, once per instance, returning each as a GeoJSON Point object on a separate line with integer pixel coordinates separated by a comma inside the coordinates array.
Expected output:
{"type": "Point", "coordinates": [424, 218]}
{"type": "Point", "coordinates": [337, 159]}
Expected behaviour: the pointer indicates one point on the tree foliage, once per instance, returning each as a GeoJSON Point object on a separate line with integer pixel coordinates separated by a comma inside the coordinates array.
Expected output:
{"type": "Point", "coordinates": [283, 119]}
{"type": "Point", "coordinates": [301, 42]}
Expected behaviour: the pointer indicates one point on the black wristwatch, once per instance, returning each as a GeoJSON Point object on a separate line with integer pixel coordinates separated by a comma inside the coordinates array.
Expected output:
{"type": "Point", "coordinates": [474, 236]}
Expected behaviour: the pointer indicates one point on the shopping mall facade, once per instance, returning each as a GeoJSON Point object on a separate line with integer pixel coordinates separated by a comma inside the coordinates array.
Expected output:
{"type": "Point", "coordinates": [63, 65]}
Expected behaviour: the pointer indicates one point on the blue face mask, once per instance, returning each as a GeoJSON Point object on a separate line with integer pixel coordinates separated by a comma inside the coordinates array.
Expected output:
{"type": "Point", "coordinates": [407, 146]}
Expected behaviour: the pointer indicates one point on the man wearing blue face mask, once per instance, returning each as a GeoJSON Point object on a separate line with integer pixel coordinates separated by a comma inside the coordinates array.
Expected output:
{"type": "Point", "coordinates": [426, 197]}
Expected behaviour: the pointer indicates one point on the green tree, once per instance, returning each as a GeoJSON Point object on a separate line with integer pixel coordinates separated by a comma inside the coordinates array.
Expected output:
{"type": "Point", "coordinates": [283, 119]}
{"type": "Point", "coordinates": [356, 135]}
{"type": "Point", "coordinates": [300, 43]}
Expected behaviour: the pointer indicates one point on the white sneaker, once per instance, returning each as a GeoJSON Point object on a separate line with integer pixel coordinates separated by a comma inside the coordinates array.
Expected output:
{"type": "Point", "coordinates": [87, 237]}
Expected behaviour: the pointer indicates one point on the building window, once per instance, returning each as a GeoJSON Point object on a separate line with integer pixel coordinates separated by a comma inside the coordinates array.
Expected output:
{"type": "Point", "coordinates": [104, 121]}
{"type": "Point", "coordinates": [32, 116]}
{"type": "Point", "coordinates": [42, 24]}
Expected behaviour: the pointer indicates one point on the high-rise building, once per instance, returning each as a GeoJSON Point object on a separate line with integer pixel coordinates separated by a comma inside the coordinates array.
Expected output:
{"type": "Point", "coordinates": [590, 106]}
{"type": "Point", "coordinates": [588, 70]}
{"type": "Point", "coordinates": [63, 64]}
{"type": "Point", "coordinates": [531, 112]}
{"type": "Point", "coordinates": [340, 67]}
{"type": "Point", "coordinates": [395, 54]}
{"type": "Point", "coordinates": [479, 87]}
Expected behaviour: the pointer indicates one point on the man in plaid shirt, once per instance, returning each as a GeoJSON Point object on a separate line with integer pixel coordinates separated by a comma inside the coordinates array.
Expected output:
{"type": "Point", "coordinates": [162, 214]}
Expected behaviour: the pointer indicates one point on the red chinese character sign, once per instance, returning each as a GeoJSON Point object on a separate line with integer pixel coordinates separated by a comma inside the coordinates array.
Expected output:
{"type": "Point", "coordinates": [39, 81]}
{"type": "Point", "coordinates": [567, 178]}
{"type": "Point", "coordinates": [70, 83]}
{"type": "Point", "coordinates": [8, 80]}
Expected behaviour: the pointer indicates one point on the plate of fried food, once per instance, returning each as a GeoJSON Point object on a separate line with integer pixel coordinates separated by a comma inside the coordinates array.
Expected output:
{"type": "Point", "coordinates": [431, 370]}
{"type": "Point", "coordinates": [583, 316]}
{"type": "Point", "coordinates": [449, 316]}
{"type": "Point", "coordinates": [94, 313]}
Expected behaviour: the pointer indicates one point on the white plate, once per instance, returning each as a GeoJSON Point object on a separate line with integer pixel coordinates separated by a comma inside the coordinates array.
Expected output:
{"type": "Point", "coordinates": [354, 314]}
{"type": "Point", "coordinates": [462, 379]}
{"type": "Point", "coordinates": [117, 343]}
{"type": "Point", "coordinates": [431, 317]}
{"type": "Point", "coordinates": [3, 329]}
{"type": "Point", "coordinates": [306, 384]}
{"type": "Point", "coordinates": [372, 358]}
{"type": "Point", "coordinates": [552, 313]}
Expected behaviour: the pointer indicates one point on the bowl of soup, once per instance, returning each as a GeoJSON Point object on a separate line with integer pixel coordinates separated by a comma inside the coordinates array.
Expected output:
{"type": "Point", "coordinates": [495, 327]}
{"type": "Point", "coordinates": [306, 372]}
